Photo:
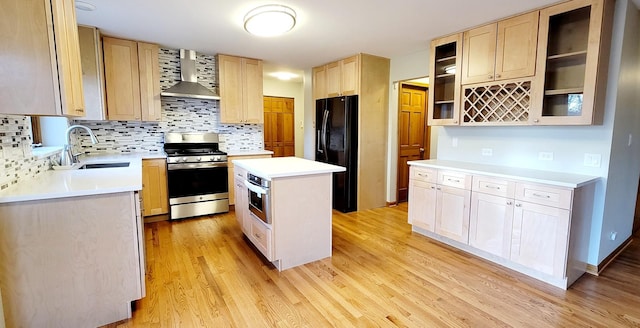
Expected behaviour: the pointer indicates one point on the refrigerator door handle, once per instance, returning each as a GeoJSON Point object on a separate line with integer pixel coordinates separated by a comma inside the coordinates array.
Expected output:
{"type": "Point", "coordinates": [325, 117]}
{"type": "Point", "coordinates": [319, 150]}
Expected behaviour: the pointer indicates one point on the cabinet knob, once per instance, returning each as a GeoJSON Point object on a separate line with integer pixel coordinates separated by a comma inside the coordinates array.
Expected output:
{"type": "Point", "coordinates": [455, 121]}
{"type": "Point", "coordinates": [491, 76]}
{"type": "Point", "coordinates": [497, 76]}
{"type": "Point", "coordinates": [518, 205]}
{"type": "Point", "coordinates": [536, 121]}
{"type": "Point", "coordinates": [509, 203]}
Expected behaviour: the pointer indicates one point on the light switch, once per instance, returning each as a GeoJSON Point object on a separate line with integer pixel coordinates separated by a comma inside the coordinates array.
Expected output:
{"type": "Point", "coordinates": [545, 156]}
{"type": "Point", "coordinates": [592, 160]}
{"type": "Point", "coordinates": [487, 152]}
{"type": "Point", "coordinates": [454, 142]}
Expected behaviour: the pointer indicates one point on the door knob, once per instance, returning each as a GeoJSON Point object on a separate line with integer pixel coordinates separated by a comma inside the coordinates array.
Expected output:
{"type": "Point", "coordinates": [422, 150]}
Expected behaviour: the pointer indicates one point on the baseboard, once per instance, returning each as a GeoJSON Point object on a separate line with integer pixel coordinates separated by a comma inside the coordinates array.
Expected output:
{"type": "Point", "coordinates": [596, 270]}
{"type": "Point", "coordinates": [156, 218]}
{"type": "Point", "coordinates": [392, 204]}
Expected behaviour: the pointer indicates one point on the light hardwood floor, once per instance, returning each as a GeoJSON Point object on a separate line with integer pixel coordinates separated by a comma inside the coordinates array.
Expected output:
{"type": "Point", "coordinates": [202, 273]}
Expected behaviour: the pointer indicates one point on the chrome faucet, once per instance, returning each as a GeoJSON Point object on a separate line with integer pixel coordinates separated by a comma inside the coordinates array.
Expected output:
{"type": "Point", "coordinates": [67, 157]}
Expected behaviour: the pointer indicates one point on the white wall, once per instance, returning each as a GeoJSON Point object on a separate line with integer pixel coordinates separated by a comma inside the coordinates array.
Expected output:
{"type": "Point", "coordinates": [278, 88]}
{"type": "Point", "coordinates": [53, 130]}
{"type": "Point", "coordinates": [309, 117]}
{"type": "Point", "coordinates": [520, 146]}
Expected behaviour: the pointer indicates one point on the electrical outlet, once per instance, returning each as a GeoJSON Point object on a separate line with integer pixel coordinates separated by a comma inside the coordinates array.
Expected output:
{"type": "Point", "coordinates": [592, 160]}
{"type": "Point", "coordinates": [545, 156]}
{"type": "Point", "coordinates": [613, 235]}
{"type": "Point", "coordinates": [487, 152]}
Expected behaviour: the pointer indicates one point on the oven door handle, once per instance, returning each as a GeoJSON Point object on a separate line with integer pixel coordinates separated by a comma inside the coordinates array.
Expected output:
{"type": "Point", "coordinates": [181, 166]}
{"type": "Point", "coordinates": [254, 188]}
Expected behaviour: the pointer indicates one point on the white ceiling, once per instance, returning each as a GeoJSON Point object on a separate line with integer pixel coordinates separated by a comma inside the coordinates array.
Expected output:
{"type": "Point", "coordinates": [326, 30]}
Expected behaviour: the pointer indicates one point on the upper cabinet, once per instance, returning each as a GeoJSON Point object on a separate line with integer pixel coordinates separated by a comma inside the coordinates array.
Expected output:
{"type": "Point", "coordinates": [41, 57]}
{"type": "Point", "coordinates": [503, 50]}
{"type": "Point", "coordinates": [339, 78]}
{"type": "Point", "coordinates": [573, 48]}
{"type": "Point", "coordinates": [546, 67]}
{"type": "Point", "coordinates": [132, 80]}
{"type": "Point", "coordinates": [240, 89]}
{"type": "Point", "coordinates": [92, 73]}
{"type": "Point", "coordinates": [444, 92]}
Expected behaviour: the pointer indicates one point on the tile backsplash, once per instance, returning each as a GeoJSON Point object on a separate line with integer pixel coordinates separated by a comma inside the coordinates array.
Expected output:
{"type": "Point", "coordinates": [178, 115]}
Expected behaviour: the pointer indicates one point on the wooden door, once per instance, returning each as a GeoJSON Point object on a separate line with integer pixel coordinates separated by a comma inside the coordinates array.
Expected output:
{"type": "Point", "coordinates": [490, 224]}
{"type": "Point", "coordinates": [452, 213]}
{"type": "Point", "coordinates": [279, 126]}
{"type": "Point", "coordinates": [154, 187]}
{"type": "Point", "coordinates": [517, 42]}
{"type": "Point", "coordinates": [479, 59]}
{"type": "Point", "coordinates": [540, 237]}
{"type": "Point", "coordinates": [122, 81]}
{"type": "Point", "coordinates": [412, 133]}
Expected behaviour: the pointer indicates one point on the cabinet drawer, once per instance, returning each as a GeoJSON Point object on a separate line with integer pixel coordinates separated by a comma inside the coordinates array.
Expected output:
{"type": "Point", "coordinates": [261, 237]}
{"type": "Point", "coordinates": [454, 179]}
{"type": "Point", "coordinates": [424, 174]}
{"type": "Point", "coordinates": [544, 195]}
{"type": "Point", "coordinates": [494, 186]}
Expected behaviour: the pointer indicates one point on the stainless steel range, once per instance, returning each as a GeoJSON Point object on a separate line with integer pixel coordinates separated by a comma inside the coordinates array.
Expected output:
{"type": "Point", "coordinates": [196, 174]}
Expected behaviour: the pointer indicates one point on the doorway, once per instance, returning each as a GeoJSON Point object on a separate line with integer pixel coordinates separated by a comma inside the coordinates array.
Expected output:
{"type": "Point", "coordinates": [279, 129]}
{"type": "Point", "coordinates": [413, 132]}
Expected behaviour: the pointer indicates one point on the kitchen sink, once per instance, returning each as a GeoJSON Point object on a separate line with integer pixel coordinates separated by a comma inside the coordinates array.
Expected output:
{"type": "Point", "coordinates": [103, 165]}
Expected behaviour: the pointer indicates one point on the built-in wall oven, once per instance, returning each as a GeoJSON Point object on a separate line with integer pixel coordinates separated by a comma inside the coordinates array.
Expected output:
{"type": "Point", "coordinates": [196, 174]}
{"type": "Point", "coordinates": [259, 197]}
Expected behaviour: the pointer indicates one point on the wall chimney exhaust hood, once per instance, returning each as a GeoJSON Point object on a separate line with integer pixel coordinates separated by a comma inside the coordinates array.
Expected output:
{"type": "Point", "coordinates": [188, 87]}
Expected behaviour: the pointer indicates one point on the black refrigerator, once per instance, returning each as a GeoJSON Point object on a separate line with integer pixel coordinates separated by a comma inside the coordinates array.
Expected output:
{"type": "Point", "coordinates": [337, 143]}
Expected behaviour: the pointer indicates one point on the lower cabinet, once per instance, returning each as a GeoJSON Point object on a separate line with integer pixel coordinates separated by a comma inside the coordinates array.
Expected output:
{"type": "Point", "coordinates": [241, 200]}
{"type": "Point", "coordinates": [233, 175]}
{"type": "Point", "coordinates": [538, 229]}
{"type": "Point", "coordinates": [154, 187]}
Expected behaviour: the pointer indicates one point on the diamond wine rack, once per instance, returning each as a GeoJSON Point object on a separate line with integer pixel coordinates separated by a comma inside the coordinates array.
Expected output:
{"type": "Point", "coordinates": [497, 104]}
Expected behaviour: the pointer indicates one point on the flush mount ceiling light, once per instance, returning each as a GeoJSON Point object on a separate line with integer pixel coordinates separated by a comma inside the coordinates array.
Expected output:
{"type": "Point", "coordinates": [85, 6]}
{"type": "Point", "coordinates": [270, 20]}
{"type": "Point", "coordinates": [285, 76]}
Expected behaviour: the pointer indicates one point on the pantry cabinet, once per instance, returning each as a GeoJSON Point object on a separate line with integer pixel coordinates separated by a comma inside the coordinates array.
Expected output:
{"type": "Point", "coordinates": [154, 187]}
{"type": "Point", "coordinates": [541, 229]}
{"type": "Point", "coordinates": [502, 50]}
{"type": "Point", "coordinates": [240, 89]}
{"type": "Point", "coordinates": [132, 80]}
{"type": "Point", "coordinates": [42, 35]}
{"type": "Point", "coordinates": [573, 55]}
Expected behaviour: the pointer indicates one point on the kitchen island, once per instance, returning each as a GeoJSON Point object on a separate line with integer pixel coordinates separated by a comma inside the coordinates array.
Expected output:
{"type": "Point", "coordinates": [71, 245]}
{"type": "Point", "coordinates": [297, 207]}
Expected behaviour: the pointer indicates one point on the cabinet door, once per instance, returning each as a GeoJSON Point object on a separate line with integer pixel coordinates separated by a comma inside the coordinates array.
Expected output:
{"type": "Point", "coordinates": [149, 70]}
{"type": "Point", "coordinates": [252, 91]}
{"type": "Point", "coordinates": [68, 57]}
{"type": "Point", "coordinates": [230, 77]}
{"type": "Point", "coordinates": [479, 59]}
{"type": "Point", "coordinates": [452, 213]}
{"type": "Point", "coordinates": [540, 238]}
{"type": "Point", "coordinates": [241, 203]}
{"type": "Point", "coordinates": [334, 78]}
{"type": "Point", "coordinates": [122, 80]}
{"type": "Point", "coordinates": [422, 204]}
{"type": "Point", "coordinates": [572, 59]}
{"type": "Point", "coordinates": [444, 91]}
{"type": "Point", "coordinates": [320, 82]}
{"type": "Point", "coordinates": [516, 47]}
{"type": "Point", "coordinates": [154, 187]}
{"type": "Point", "coordinates": [350, 76]}
{"type": "Point", "coordinates": [92, 73]}
{"type": "Point", "coordinates": [491, 223]}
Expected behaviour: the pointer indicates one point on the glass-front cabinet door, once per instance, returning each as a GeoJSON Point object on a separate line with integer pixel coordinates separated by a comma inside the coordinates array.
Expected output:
{"type": "Point", "coordinates": [444, 89]}
{"type": "Point", "coordinates": [568, 67]}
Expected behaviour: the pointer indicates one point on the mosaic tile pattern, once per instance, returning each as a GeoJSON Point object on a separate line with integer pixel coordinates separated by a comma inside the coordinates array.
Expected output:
{"type": "Point", "coordinates": [179, 115]}
{"type": "Point", "coordinates": [15, 151]}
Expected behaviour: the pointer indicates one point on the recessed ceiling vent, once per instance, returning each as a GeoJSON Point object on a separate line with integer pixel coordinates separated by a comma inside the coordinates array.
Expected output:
{"type": "Point", "coordinates": [188, 87]}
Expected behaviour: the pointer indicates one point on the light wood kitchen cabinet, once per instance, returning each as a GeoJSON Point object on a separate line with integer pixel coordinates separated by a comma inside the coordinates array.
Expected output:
{"type": "Point", "coordinates": [572, 63]}
{"type": "Point", "coordinates": [43, 59]}
{"type": "Point", "coordinates": [444, 91]}
{"type": "Point", "coordinates": [154, 187]}
{"type": "Point", "coordinates": [240, 89]}
{"type": "Point", "coordinates": [540, 229]}
{"type": "Point", "coordinates": [422, 198]}
{"type": "Point", "coordinates": [92, 73]}
{"type": "Point", "coordinates": [339, 78]}
{"type": "Point", "coordinates": [132, 80]}
{"type": "Point", "coordinates": [241, 196]}
{"type": "Point", "coordinates": [499, 51]}
{"type": "Point", "coordinates": [233, 174]}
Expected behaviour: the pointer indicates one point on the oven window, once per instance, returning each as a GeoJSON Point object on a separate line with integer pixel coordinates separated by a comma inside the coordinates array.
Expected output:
{"type": "Point", "coordinates": [200, 181]}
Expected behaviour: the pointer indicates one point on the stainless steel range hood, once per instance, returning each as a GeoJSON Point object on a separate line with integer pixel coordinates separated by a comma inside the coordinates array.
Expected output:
{"type": "Point", "coordinates": [189, 87]}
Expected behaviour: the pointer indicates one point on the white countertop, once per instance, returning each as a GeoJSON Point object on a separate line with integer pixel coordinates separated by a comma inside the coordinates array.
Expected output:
{"type": "Point", "coordinates": [279, 167]}
{"type": "Point", "coordinates": [547, 177]}
{"type": "Point", "coordinates": [249, 152]}
{"type": "Point", "coordinates": [72, 183]}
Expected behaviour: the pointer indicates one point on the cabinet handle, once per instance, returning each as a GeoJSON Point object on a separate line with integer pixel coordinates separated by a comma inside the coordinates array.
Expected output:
{"type": "Point", "coordinates": [423, 175]}
{"type": "Point", "coordinates": [541, 196]}
{"type": "Point", "coordinates": [455, 121]}
{"type": "Point", "coordinates": [439, 188]}
{"type": "Point", "coordinates": [257, 235]}
{"type": "Point", "coordinates": [518, 205]}
{"type": "Point", "coordinates": [497, 76]}
{"type": "Point", "coordinates": [492, 187]}
{"type": "Point", "coordinates": [536, 121]}
{"type": "Point", "coordinates": [433, 187]}
{"type": "Point", "coordinates": [453, 180]}
{"type": "Point", "coordinates": [491, 76]}
{"type": "Point", "coordinates": [509, 203]}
